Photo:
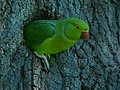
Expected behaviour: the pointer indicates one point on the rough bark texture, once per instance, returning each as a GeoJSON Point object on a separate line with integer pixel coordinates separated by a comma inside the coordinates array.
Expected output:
{"type": "Point", "coordinates": [90, 65]}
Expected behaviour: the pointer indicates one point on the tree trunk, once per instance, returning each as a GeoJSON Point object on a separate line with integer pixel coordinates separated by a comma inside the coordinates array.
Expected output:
{"type": "Point", "coordinates": [88, 65]}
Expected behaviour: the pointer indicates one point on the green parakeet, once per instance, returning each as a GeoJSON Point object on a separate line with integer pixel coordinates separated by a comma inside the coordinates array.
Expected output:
{"type": "Point", "coordinates": [53, 36]}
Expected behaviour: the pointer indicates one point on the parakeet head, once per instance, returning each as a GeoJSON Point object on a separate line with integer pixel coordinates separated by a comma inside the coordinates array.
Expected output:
{"type": "Point", "coordinates": [75, 29]}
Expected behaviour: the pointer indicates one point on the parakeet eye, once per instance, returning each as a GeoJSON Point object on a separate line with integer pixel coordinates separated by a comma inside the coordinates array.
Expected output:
{"type": "Point", "coordinates": [77, 27]}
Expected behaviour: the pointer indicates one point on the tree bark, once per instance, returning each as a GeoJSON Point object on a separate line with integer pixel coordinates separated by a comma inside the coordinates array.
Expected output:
{"type": "Point", "coordinates": [88, 65]}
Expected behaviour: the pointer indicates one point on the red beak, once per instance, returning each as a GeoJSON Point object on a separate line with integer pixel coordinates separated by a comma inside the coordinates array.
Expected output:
{"type": "Point", "coordinates": [85, 35]}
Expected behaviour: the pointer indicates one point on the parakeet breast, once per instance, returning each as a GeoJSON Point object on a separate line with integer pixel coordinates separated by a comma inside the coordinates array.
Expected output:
{"type": "Point", "coordinates": [54, 45]}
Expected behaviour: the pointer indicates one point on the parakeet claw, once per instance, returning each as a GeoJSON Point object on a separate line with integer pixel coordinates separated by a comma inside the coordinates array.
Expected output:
{"type": "Point", "coordinates": [44, 61]}
{"type": "Point", "coordinates": [48, 55]}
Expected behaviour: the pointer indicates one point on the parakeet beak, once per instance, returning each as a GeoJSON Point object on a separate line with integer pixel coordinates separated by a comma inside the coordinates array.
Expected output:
{"type": "Point", "coordinates": [85, 35]}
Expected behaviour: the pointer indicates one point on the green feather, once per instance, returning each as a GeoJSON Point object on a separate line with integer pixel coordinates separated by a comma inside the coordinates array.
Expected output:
{"type": "Point", "coordinates": [53, 36]}
{"type": "Point", "coordinates": [37, 32]}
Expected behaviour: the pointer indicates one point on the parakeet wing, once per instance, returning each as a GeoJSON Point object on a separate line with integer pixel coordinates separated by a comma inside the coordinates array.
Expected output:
{"type": "Point", "coordinates": [38, 31]}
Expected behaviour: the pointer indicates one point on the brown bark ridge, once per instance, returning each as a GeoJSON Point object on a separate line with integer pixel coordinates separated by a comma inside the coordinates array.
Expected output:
{"type": "Point", "coordinates": [88, 65]}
